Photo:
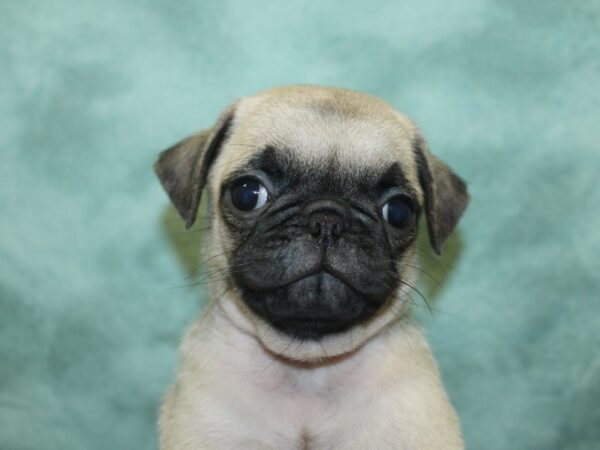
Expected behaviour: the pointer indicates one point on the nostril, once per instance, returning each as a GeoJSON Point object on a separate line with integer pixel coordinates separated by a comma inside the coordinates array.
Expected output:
{"type": "Point", "coordinates": [314, 227]}
{"type": "Point", "coordinates": [336, 229]}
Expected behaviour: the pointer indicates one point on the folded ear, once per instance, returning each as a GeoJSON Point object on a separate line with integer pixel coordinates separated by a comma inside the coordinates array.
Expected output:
{"type": "Point", "coordinates": [446, 195]}
{"type": "Point", "coordinates": [183, 169]}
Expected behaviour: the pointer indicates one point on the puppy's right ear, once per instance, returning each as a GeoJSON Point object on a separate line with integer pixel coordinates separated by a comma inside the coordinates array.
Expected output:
{"type": "Point", "coordinates": [183, 169]}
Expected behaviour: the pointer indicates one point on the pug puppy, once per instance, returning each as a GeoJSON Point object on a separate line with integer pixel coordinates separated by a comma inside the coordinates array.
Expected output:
{"type": "Point", "coordinates": [315, 195]}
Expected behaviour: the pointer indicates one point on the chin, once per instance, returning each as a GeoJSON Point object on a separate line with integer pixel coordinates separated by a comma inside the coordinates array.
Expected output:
{"type": "Point", "coordinates": [332, 345]}
{"type": "Point", "coordinates": [323, 329]}
{"type": "Point", "coordinates": [313, 308]}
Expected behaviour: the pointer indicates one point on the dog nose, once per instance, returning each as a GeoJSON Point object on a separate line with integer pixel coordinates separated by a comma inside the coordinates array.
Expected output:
{"type": "Point", "coordinates": [326, 218]}
{"type": "Point", "coordinates": [325, 225]}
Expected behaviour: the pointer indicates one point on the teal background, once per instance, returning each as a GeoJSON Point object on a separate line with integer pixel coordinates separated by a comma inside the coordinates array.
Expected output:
{"type": "Point", "coordinates": [92, 258]}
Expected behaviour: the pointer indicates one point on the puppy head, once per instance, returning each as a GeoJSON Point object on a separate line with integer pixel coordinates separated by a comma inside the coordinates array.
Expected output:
{"type": "Point", "coordinates": [315, 197]}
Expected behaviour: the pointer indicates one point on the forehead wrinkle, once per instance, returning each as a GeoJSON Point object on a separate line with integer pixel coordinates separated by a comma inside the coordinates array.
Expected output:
{"type": "Point", "coordinates": [316, 138]}
{"type": "Point", "coordinates": [359, 135]}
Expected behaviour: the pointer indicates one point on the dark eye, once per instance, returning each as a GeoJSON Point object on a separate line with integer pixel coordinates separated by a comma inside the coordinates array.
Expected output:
{"type": "Point", "coordinates": [248, 194]}
{"type": "Point", "coordinates": [398, 212]}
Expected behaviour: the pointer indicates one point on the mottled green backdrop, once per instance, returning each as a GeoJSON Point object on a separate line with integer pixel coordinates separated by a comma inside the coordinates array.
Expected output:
{"type": "Point", "coordinates": [92, 257]}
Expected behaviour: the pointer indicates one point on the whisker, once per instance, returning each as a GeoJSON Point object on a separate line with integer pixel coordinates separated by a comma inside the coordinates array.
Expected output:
{"type": "Point", "coordinates": [423, 271]}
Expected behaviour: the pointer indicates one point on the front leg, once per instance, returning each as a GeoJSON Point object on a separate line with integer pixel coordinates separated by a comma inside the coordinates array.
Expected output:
{"type": "Point", "coordinates": [194, 419]}
{"type": "Point", "coordinates": [398, 403]}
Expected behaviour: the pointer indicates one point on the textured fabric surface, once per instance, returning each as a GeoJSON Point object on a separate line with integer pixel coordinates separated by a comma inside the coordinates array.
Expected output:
{"type": "Point", "coordinates": [92, 258]}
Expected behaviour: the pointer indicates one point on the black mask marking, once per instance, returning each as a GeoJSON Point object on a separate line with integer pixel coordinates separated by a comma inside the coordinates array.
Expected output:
{"type": "Point", "coordinates": [318, 258]}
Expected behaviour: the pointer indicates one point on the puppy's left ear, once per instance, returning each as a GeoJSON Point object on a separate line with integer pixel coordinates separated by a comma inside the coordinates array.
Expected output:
{"type": "Point", "coordinates": [183, 169]}
{"type": "Point", "coordinates": [446, 195]}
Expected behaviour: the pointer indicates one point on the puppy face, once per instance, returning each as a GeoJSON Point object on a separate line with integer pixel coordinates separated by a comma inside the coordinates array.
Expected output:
{"type": "Point", "coordinates": [316, 194]}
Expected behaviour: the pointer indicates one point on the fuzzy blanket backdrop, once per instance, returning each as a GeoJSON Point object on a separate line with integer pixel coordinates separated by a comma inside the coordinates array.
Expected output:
{"type": "Point", "coordinates": [93, 259]}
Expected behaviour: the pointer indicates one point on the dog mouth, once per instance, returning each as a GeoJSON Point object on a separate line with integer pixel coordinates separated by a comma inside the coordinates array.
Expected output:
{"type": "Point", "coordinates": [321, 273]}
{"type": "Point", "coordinates": [311, 307]}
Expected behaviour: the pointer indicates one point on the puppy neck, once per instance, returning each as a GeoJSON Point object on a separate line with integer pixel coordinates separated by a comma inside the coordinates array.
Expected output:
{"type": "Point", "coordinates": [231, 313]}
